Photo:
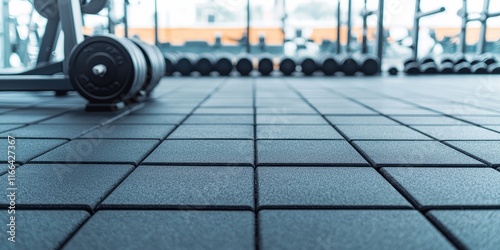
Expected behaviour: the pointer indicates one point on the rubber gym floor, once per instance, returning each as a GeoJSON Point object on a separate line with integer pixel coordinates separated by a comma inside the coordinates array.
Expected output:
{"type": "Point", "coordinates": [260, 163]}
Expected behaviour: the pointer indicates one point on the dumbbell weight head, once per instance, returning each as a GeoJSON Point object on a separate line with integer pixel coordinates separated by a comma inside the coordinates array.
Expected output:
{"type": "Point", "coordinates": [368, 64]}
{"type": "Point", "coordinates": [347, 64]}
{"type": "Point", "coordinates": [205, 64]}
{"type": "Point", "coordinates": [170, 62]}
{"type": "Point", "coordinates": [107, 69]}
{"type": "Point", "coordinates": [223, 64]}
{"type": "Point", "coordinates": [494, 68]}
{"type": "Point", "coordinates": [186, 63]}
{"type": "Point", "coordinates": [308, 66]}
{"type": "Point", "coordinates": [462, 68]}
{"type": "Point", "coordinates": [479, 68]}
{"type": "Point", "coordinates": [447, 68]}
{"type": "Point", "coordinates": [265, 66]}
{"type": "Point", "coordinates": [429, 67]}
{"type": "Point", "coordinates": [328, 64]}
{"type": "Point", "coordinates": [287, 66]}
{"type": "Point", "coordinates": [244, 65]}
{"type": "Point", "coordinates": [393, 71]}
{"type": "Point", "coordinates": [412, 68]}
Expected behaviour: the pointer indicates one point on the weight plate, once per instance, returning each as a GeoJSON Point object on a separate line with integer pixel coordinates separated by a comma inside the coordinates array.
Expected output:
{"type": "Point", "coordinates": [47, 8]}
{"type": "Point", "coordinates": [106, 69]}
{"type": "Point", "coordinates": [155, 65]}
{"type": "Point", "coordinates": [93, 6]}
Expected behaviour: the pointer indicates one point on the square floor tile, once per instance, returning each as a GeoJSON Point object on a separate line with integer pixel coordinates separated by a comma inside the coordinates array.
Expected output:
{"type": "Point", "coordinates": [117, 131]}
{"type": "Point", "coordinates": [220, 119]}
{"type": "Point", "coordinates": [414, 153]}
{"type": "Point", "coordinates": [459, 132]}
{"type": "Point", "coordinates": [474, 229]}
{"type": "Point", "coordinates": [486, 150]}
{"type": "Point", "coordinates": [360, 120]}
{"type": "Point", "coordinates": [286, 110]}
{"type": "Point", "coordinates": [428, 120]}
{"type": "Point", "coordinates": [65, 185]}
{"type": "Point", "coordinates": [42, 229]}
{"type": "Point", "coordinates": [22, 118]}
{"type": "Point", "coordinates": [382, 132]}
{"type": "Point", "coordinates": [291, 119]}
{"type": "Point", "coordinates": [448, 187]}
{"type": "Point", "coordinates": [27, 149]}
{"type": "Point", "coordinates": [50, 131]}
{"type": "Point", "coordinates": [185, 186]}
{"type": "Point", "coordinates": [348, 229]}
{"type": "Point", "coordinates": [224, 111]}
{"type": "Point", "coordinates": [82, 117]}
{"type": "Point", "coordinates": [99, 151]}
{"type": "Point", "coordinates": [325, 187]}
{"type": "Point", "coordinates": [309, 152]}
{"type": "Point", "coordinates": [151, 119]}
{"type": "Point", "coordinates": [212, 152]}
{"type": "Point", "coordinates": [179, 230]}
{"type": "Point", "coordinates": [297, 132]}
{"type": "Point", "coordinates": [482, 120]}
{"type": "Point", "coordinates": [213, 132]}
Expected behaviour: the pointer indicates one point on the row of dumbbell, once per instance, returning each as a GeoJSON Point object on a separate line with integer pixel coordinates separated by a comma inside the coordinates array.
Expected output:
{"type": "Point", "coordinates": [454, 64]}
{"type": "Point", "coordinates": [245, 64]}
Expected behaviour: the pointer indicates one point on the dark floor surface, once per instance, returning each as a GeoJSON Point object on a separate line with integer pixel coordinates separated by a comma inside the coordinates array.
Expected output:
{"type": "Point", "coordinates": [260, 163]}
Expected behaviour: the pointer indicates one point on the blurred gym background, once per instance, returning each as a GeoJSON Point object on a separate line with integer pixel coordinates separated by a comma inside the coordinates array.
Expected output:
{"type": "Point", "coordinates": [289, 27]}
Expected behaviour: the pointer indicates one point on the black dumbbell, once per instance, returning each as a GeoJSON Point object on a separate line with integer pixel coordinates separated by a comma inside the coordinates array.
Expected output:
{"type": "Point", "coordinates": [479, 68]}
{"type": "Point", "coordinates": [393, 71]}
{"type": "Point", "coordinates": [446, 68]}
{"type": "Point", "coordinates": [487, 58]}
{"type": "Point", "coordinates": [287, 66]}
{"type": "Point", "coordinates": [224, 64]}
{"type": "Point", "coordinates": [462, 68]}
{"type": "Point", "coordinates": [347, 64]}
{"type": "Point", "coordinates": [170, 62]}
{"type": "Point", "coordinates": [411, 67]}
{"type": "Point", "coordinates": [368, 64]}
{"type": "Point", "coordinates": [186, 63]}
{"type": "Point", "coordinates": [494, 68]}
{"type": "Point", "coordinates": [428, 66]}
{"type": "Point", "coordinates": [265, 65]}
{"type": "Point", "coordinates": [205, 64]}
{"type": "Point", "coordinates": [327, 64]}
{"type": "Point", "coordinates": [244, 64]}
{"type": "Point", "coordinates": [308, 66]}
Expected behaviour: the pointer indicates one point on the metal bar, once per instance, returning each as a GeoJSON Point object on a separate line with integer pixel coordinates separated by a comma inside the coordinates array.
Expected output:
{"type": "Point", "coordinates": [463, 29]}
{"type": "Point", "coordinates": [430, 13]}
{"type": "Point", "coordinates": [71, 24]}
{"type": "Point", "coordinates": [416, 29]}
{"type": "Point", "coordinates": [49, 40]}
{"type": "Point", "coordinates": [111, 21]}
{"type": "Point", "coordinates": [35, 83]}
{"type": "Point", "coordinates": [481, 47]}
{"type": "Point", "coordinates": [157, 42]}
{"type": "Point", "coordinates": [339, 24]}
{"type": "Point", "coordinates": [248, 28]}
{"type": "Point", "coordinates": [349, 26]}
{"type": "Point", "coordinates": [380, 32]}
{"type": "Point", "coordinates": [125, 17]}
{"type": "Point", "coordinates": [7, 49]}
{"type": "Point", "coordinates": [364, 48]}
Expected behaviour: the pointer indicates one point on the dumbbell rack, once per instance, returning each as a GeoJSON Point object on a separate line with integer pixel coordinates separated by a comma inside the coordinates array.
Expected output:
{"type": "Point", "coordinates": [419, 14]}
{"type": "Point", "coordinates": [483, 19]}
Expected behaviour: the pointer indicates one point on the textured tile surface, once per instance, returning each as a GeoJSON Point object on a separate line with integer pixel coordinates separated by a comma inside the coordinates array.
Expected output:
{"type": "Point", "coordinates": [65, 185]}
{"type": "Point", "coordinates": [348, 229]}
{"type": "Point", "coordinates": [325, 187]}
{"type": "Point", "coordinates": [448, 187]}
{"type": "Point", "coordinates": [184, 187]}
{"type": "Point", "coordinates": [459, 132]}
{"type": "Point", "coordinates": [475, 229]}
{"type": "Point", "coordinates": [360, 120]}
{"type": "Point", "coordinates": [485, 150]}
{"type": "Point", "coordinates": [171, 229]}
{"type": "Point", "coordinates": [116, 131]}
{"type": "Point", "coordinates": [220, 119]}
{"type": "Point", "coordinates": [203, 151]}
{"type": "Point", "coordinates": [405, 153]}
{"type": "Point", "coordinates": [100, 150]}
{"type": "Point", "coordinates": [297, 132]}
{"type": "Point", "coordinates": [27, 149]}
{"type": "Point", "coordinates": [397, 132]}
{"type": "Point", "coordinates": [307, 152]}
{"type": "Point", "coordinates": [42, 229]}
{"type": "Point", "coordinates": [58, 131]}
{"type": "Point", "coordinates": [213, 132]}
